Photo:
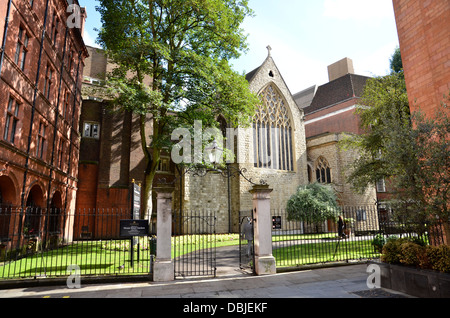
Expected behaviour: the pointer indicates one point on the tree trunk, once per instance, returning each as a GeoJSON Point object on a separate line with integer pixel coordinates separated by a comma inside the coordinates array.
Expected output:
{"type": "Point", "coordinates": [152, 158]}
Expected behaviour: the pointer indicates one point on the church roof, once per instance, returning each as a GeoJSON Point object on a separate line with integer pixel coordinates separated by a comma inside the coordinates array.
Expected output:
{"type": "Point", "coordinates": [344, 88]}
{"type": "Point", "coordinates": [250, 75]}
{"type": "Point", "coordinates": [305, 97]}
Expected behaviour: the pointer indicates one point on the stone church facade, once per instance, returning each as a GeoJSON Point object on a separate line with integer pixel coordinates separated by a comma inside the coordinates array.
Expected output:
{"type": "Point", "coordinates": [273, 150]}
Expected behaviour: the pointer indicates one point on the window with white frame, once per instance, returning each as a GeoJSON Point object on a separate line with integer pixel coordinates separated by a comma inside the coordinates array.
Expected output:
{"type": "Point", "coordinates": [381, 185]}
{"type": "Point", "coordinates": [91, 130]}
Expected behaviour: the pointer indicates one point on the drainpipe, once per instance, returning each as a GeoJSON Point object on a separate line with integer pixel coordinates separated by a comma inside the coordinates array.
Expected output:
{"type": "Point", "coordinates": [5, 33]}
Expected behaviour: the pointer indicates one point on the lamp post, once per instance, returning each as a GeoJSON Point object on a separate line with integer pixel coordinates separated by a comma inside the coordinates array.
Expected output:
{"type": "Point", "coordinates": [215, 153]}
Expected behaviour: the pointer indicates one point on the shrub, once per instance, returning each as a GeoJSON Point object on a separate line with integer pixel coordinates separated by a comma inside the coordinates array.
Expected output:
{"type": "Point", "coordinates": [378, 242]}
{"type": "Point", "coordinates": [439, 258]}
{"type": "Point", "coordinates": [392, 251]}
{"type": "Point", "coordinates": [408, 252]}
{"type": "Point", "coordinates": [411, 253]}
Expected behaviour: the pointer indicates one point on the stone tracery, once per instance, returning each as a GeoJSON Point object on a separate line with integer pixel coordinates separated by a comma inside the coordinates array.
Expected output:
{"type": "Point", "coordinates": [273, 132]}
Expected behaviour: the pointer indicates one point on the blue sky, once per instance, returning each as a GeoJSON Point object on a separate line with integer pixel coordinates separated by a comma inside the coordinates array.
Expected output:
{"type": "Point", "coordinates": [308, 35]}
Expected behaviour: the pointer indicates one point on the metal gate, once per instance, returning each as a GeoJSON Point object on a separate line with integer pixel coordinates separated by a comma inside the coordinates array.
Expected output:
{"type": "Point", "coordinates": [246, 241]}
{"type": "Point", "coordinates": [194, 246]}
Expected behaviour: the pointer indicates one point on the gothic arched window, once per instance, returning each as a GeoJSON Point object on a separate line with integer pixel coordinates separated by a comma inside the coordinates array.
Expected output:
{"type": "Point", "coordinates": [323, 171]}
{"type": "Point", "coordinates": [272, 137]}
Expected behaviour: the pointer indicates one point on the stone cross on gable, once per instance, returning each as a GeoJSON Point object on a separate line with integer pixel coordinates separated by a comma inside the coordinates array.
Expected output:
{"type": "Point", "coordinates": [269, 49]}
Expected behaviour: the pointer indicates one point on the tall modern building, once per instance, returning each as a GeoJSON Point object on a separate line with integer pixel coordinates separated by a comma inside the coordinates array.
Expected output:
{"type": "Point", "coordinates": [41, 65]}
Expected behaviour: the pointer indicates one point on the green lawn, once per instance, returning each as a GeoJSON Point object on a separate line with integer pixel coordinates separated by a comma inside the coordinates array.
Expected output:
{"type": "Point", "coordinates": [112, 257]}
{"type": "Point", "coordinates": [323, 252]}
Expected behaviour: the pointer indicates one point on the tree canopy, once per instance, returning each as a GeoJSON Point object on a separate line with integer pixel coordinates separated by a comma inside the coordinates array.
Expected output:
{"type": "Point", "coordinates": [313, 202]}
{"type": "Point", "coordinates": [408, 149]}
{"type": "Point", "coordinates": [173, 67]}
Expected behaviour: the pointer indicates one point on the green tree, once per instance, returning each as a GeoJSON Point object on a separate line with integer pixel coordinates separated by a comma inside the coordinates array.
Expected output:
{"type": "Point", "coordinates": [314, 202]}
{"type": "Point", "coordinates": [181, 49]}
{"type": "Point", "coordinates": [409, 150]}
{"type": "Point", "coordinates": [396, 61]}
{"type": "Point", "coordinates": [385, 114]}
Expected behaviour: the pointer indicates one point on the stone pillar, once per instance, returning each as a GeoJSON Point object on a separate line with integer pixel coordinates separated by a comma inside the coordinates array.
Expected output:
{"type": "Point", "coordinates": [264, 260]}
{"type": "Point", "coordinates": [163, 270]}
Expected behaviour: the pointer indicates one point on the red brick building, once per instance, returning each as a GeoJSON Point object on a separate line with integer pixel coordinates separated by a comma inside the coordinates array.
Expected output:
{"type": "Point", "coordinates": [111, 157]}
{"type": "Point", "coordinates": [41, 67]}
{"type": "Point", "coordinates": [424, 36]}
{"type": "Point", "coordinates": [330, 115]}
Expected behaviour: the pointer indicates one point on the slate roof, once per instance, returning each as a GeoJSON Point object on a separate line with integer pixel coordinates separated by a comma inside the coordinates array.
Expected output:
{"type": "Point", "coordinates": [337, 91]}
{"type": "Point", "coordinates": [305, 97]}
{"type": "Point", "coordinates": [250, 75]}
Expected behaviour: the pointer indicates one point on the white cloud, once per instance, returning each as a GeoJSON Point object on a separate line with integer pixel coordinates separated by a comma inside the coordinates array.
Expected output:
{"type": "Point", "coordinates": [377, 63]}
{"type": "Point", "coordinates": [358, 9]}
{"type": "Point", "coordinates": [89, 40]}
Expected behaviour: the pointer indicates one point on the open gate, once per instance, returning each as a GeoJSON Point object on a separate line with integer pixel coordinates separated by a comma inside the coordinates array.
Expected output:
{"type": "Point", "coordinates": [194, 244]}
{"type": "Point", "coordinates": [246, 241]}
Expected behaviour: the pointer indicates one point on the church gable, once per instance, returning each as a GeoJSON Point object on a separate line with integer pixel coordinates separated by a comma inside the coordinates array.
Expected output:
{"type": "Point", "coordinates": [267, 75]}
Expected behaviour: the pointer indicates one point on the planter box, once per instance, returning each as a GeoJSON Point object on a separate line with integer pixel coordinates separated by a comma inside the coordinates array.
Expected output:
{"type": "Point", "coordinates": [414, 282]}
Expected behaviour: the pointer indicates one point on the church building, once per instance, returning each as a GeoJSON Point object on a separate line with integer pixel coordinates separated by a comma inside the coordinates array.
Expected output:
{"type": "Point", "coordinates": [290, 143]}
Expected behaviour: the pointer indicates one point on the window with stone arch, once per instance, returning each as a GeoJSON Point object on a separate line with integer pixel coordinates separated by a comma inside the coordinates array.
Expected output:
{"type": "Point", "coordinates": [272, 132]}
{"type": "Point", "coordinates": [323, 171]}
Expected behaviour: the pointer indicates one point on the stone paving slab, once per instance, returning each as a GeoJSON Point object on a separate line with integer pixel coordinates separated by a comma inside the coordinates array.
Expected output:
{"type": "Point", "coordinates": [338, 282]}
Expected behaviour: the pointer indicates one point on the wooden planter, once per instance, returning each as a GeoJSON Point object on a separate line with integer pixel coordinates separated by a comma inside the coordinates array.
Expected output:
{"type": "Point", "coordinates": [414, 282]}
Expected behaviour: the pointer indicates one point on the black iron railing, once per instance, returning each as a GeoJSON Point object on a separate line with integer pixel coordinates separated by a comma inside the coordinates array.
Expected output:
{"type": "Point", "coordinates": [360, 235]}
{"type": "Point", "coordinates": [36, 242]}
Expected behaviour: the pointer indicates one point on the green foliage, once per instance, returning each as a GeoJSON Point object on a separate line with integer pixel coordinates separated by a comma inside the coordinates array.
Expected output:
{"type": "Point", "coordinates": [439, 258]}
{"type": "Point", "coordinates": [409, 253]}
{"type": "Point", "coordinates": [172, 67]}
{"type": "Point", "coordinates": [181, 49]}
{"type": "Point", "coordinates": [412, 151]}
{"type": "Point", "coordinates": [392, 251]}
{"type": "Point", "coordinates": [378, 242]}
{"type": "Point", "coordinates": [385, 112]}
{"type": "Point", "coordinates": [313, 202]}
{"type": "Point", "coordinates": [396, 61]}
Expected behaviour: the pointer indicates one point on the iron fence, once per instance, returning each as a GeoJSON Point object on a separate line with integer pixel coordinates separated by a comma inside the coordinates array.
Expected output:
{"type": "Point", "coordinates": [358, 236]}
{"type": "Point", "coordinates": [37, 242]}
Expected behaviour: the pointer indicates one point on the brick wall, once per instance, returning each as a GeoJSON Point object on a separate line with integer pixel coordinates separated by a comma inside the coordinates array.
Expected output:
{"type": "Point", "coordinates": [424, 35]}
{"type": "Point", "coordinates": [20, 84]}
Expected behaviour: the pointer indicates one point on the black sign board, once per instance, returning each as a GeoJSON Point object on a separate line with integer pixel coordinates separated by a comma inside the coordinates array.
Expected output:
{"type": "Point", "coordinates": [131, 228]}
{"type": "Point", "coordinates": [276, 222]}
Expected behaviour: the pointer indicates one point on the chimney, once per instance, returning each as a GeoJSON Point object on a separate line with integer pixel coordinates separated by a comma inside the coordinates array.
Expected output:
{"type": "Point", "coordinates": [83, 19]}
{"type": "Point", "coordinates": [340, 68]}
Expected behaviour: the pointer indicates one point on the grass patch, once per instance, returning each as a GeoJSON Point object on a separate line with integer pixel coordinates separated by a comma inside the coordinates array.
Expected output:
{"type": "Point", "coordinates": [323, 252]}
{"type": "Point", "coordinates": [109, 257]}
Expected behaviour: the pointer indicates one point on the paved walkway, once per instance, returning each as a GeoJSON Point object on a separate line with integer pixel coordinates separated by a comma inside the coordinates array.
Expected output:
{"type": "Point", "coordinates": [336, 282]}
